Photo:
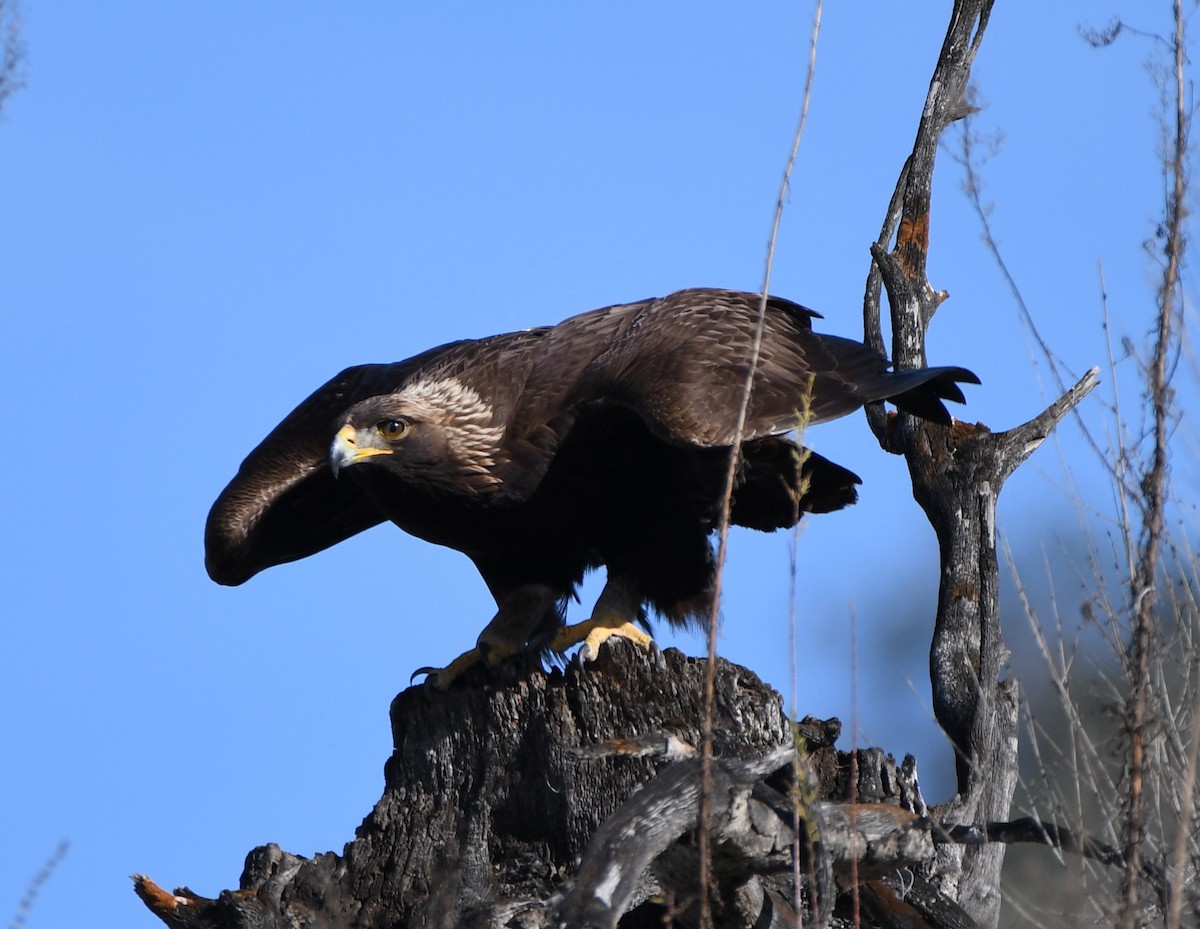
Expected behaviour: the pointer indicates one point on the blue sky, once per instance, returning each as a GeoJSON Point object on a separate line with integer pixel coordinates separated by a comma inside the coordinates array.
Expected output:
{"type": "Point", "coordinates": [212, 208]}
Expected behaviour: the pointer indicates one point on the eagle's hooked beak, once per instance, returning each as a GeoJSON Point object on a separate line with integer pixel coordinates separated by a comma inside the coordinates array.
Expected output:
{"type": "Point", "coordinates": [346, 451]}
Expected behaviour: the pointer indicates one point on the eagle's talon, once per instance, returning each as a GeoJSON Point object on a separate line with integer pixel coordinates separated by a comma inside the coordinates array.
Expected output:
{"type": "Point", "coordinates": [588, 652]}
{"type": "Point", "coordinates": [433, 680]}
{"type": "Point", "coordinates": [440, 679]}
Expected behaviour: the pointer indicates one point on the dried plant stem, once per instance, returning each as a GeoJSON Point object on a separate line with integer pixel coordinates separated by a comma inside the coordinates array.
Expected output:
{"type": "Point", "coordinates": [703, 850]}
{"type": "Point", "coordinates": [1154, 495]}
{"type": "Point", "coordinates": [36, 884]}
{"type": "Point", "coordinates": [12, 50]}
{"type": "Point", "coordinates": [1187, 795]}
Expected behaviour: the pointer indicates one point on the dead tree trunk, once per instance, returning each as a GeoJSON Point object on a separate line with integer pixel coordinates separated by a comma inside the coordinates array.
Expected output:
{"type": "Point", "coordinates": [570, 799]}
{"type": "Point", "coordinates": [956, 474]}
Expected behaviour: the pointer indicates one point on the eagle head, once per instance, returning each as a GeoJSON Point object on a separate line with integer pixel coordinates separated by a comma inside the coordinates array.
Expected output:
{"type": "Point", "coordinates": [439, 434]}
{"type": "Point", "coordinates": [354, 444]}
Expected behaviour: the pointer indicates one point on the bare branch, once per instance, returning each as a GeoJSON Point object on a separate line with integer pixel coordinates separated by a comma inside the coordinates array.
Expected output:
{"type": "Point", "coordinates": [12, 51]}
{"type": "Point", "coordinates": [36, 883]}
{"type": "Point", "coordinates": [1021, 441]}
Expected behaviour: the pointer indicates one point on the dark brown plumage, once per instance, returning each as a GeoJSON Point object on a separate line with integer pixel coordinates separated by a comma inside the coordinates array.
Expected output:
{"type": "Point", "coordinates": [540, 454]}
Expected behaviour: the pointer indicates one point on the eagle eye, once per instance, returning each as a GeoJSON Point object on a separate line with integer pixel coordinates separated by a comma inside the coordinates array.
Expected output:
{"type": "Point", "coordinates": [392, 428]}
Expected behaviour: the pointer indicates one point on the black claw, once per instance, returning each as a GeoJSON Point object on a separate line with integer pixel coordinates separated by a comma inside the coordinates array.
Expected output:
{"type": "Point", "coordinates": [425, 670]}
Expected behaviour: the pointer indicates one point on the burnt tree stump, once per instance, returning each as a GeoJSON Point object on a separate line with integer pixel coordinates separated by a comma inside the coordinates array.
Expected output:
{"type": "Point", "coordinates": [493, 794]}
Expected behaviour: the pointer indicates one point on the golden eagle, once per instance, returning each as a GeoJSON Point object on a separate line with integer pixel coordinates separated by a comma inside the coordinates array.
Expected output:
{"type": "Point", "coordinates": [544, 453]}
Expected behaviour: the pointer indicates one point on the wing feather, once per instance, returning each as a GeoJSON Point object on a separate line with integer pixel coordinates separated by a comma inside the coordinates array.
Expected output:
{"type": "Point", "coordinates": [284, 502]}
{"type": "Point", "coordinates": [681, 363]}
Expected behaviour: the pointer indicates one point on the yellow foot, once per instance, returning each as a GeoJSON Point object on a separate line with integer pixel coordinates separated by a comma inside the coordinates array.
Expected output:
{"type": "Point", "coordinates": [594, 631]}
{"type": "Point", "coordinates": [489, 653]}
{"type": "Point", "coordinates": [442, 678]}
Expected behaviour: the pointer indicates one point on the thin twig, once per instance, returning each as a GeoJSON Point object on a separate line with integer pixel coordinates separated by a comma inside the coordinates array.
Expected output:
{"type": "Point", "coordinates": [1187, 794]}
{"type": "Point", "coordinates": [972, 187]}
{"type": "Point", "coordinates": [703, 849]}
{"type": "Point", "coordinates": [855, 901]}
{"type": "Point", "coordinates": [12, 51]}
{"type": "Point", "coordinates": [36, 883]}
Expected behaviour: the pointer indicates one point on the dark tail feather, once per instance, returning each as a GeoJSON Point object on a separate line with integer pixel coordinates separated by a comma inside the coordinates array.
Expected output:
{"type": "Point", "coordinates": [766, 496]}
{"type": "Point", "coordinates": [924, 391]}
{"type": "Point", "coordinates": [826, 486]}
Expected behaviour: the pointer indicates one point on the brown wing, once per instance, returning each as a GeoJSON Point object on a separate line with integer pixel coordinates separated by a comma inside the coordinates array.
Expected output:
{"type": "Point", "coordinates": [542, 403]}
{"type": "Point", "coordinates": [284, 502]}
{"type": "Point", "coordinates": [681, 363]}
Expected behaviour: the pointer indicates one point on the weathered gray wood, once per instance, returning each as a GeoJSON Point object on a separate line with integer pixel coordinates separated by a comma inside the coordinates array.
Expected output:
{"type": "Point", "coordinates": [486, 808]}
{"type": "Point", "coordinates": [744, 827]}
{"type": "Point", "coordinates": [957, 474]}
{"type": "Point", "coordinates": [493, 794]}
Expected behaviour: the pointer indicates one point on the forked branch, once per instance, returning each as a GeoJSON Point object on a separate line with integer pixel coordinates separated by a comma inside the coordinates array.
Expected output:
{"type": "Point", "coordinates": [957, 474]}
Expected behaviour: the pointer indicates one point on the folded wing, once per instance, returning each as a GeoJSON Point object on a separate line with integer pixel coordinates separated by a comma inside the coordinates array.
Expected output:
{"type": "Point", "coordinates": [284, 503]}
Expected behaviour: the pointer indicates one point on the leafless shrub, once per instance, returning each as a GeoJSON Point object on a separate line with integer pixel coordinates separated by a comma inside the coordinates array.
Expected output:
{"type": "Point", "coordinates": [1114, 751]}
